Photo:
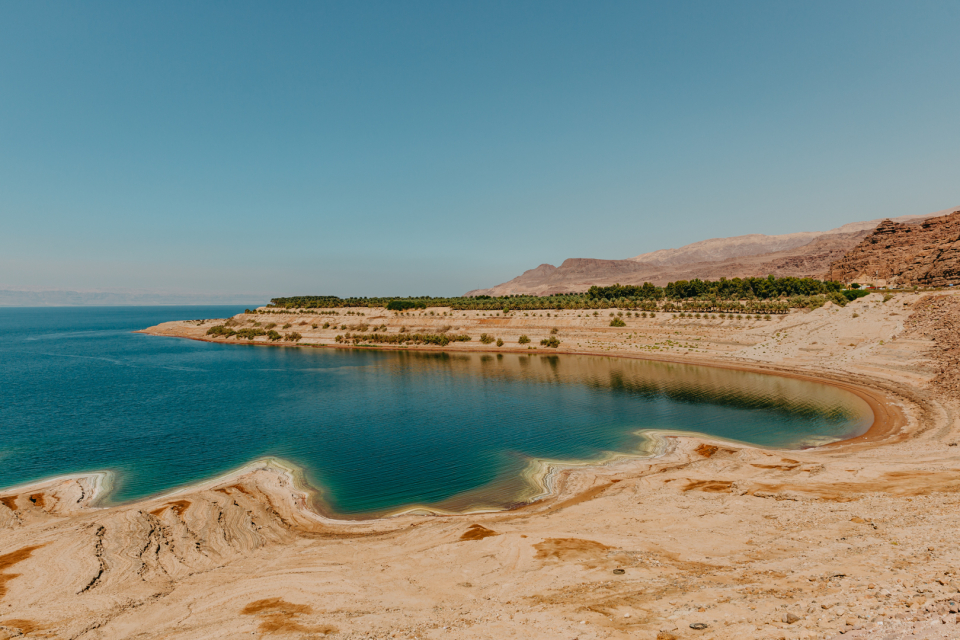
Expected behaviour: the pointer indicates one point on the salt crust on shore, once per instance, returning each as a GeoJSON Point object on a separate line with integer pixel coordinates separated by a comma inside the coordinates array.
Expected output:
{"type": "Point", "coordinates": [752, 543]}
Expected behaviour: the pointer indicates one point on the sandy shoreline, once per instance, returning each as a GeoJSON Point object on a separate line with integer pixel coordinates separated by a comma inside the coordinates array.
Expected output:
{"type": "Point", "coordinates": [706, 539]}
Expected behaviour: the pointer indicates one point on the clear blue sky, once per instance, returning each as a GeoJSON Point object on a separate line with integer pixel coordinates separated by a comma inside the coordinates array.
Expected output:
{"type": "Point", "coordinates": [430, 148]}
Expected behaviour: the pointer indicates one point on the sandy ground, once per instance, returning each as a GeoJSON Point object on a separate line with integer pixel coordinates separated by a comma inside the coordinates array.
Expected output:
{"type": "Point", "coordinates": [709, 540]}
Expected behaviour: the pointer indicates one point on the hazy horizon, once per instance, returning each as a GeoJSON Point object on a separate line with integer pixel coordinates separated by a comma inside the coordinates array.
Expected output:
{"type": "Point", "coordinates": [432, 149]}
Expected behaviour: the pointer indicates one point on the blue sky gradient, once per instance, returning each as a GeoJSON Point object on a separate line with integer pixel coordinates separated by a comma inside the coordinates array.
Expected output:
{"type": "Point", "coordinates": [432, 148]}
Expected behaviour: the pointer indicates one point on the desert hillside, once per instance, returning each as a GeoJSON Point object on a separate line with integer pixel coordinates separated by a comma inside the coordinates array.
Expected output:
{"type": "Point", "coordinates": [805, 254]}
{"type": "Point", "coordinates": [926, 255]}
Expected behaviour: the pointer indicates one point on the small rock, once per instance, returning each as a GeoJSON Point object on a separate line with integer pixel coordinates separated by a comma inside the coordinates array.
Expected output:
{"type": "Point", "coordinates": [790, 618]}
{"type": "Point", "coordinates": [699, 626]}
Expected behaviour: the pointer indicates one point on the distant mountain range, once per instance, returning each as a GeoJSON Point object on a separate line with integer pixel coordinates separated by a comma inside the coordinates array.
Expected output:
{"type": "Point", "coordinates": [804, 254]}
{"type": "Point", "coordinates": [25, 297]}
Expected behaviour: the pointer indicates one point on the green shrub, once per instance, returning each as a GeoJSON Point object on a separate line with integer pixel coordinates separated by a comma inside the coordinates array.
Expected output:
{"type": "Point", "coordinates": [853, 294]}
{"type": "Point", "coordinates": [499, 342]}
{"type": "Point", "coordinates": [550, 342]}
{"type": "Point", "coordinates": [293, 336]}
{"type": "Point", "coordinates": [523, 340]}
{"type": "Point", "coordinates": [485, 338]}
{"type": "Point", "coordinates": [414, 338]}
{"type": "Point", "coordinates": [554, 331]}
{"type": "Point", "coordinates": [326, 325]}
{"type": "Point", "coordinates": [220, 331]}
{"type": "Point", "coordinates": [403, 305]}
{"type": "Point", "coordinates": [269, 325]}
{"type": "Point", "coordinates": [273, 336]}
{"type": "Point", "coordinates": [286, 326]}
{"type": "Point", "coordinates": [617, 322]}
{"type": "Point", "coordinates": [250, 334]}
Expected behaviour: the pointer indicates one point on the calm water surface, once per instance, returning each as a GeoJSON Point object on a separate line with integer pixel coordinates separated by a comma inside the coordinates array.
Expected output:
{"type": "Point", "coordinates": [373, 431]}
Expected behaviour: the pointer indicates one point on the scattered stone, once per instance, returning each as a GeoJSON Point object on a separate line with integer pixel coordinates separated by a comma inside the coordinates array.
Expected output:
{"type": "Point", "coordinates": [699, 626]}
{"type": "Point", "coordinates": [619, 572]}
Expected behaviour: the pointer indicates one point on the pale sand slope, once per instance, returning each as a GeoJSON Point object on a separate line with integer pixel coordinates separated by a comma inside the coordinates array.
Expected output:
{"type": "Point", "coordinates": [734, 537]}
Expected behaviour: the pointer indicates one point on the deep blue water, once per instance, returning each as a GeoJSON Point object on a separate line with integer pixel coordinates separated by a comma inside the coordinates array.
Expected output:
{"type": "Point", "coordinates": [373, 431]}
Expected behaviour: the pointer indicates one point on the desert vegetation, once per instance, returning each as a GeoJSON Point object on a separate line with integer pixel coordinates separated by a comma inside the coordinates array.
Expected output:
{"type": "Point", "coordinates": [744, 295]}
{"type": "Point", "coordinates": [439, 339]}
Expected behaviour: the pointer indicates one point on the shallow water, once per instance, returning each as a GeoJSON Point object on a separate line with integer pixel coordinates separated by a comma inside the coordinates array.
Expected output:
{"type": "Point", "coordinates": [373, 431]}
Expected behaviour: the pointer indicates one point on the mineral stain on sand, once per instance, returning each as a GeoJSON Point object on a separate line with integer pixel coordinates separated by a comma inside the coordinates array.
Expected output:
{"type": "Point", "coordinates": [277, 616]}
{"type": "Point", "coordinates": [10, 559]}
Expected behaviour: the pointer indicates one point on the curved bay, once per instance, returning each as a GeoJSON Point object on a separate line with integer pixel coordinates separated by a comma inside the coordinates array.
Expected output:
{"type": "Point", "coordinates": [375, 431]}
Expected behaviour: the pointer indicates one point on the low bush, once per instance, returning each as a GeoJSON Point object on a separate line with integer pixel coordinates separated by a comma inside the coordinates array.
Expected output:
{"type": "Point", "coordinates": [250, 334]}
{"type": "Point", "coordinates": [438, 339]}
{"type": "Point", "coordinates": [618, 322]}
{"type": "Point", "coordinates": [220, 331]}
{"type": "Point", "coordinates": [853, 294]}
{"type": "Point", "coordinates": [486, 338]}
{"type": "Point", "coordinates": [293, 336]}
{"type": "Point", "coordinates": [551, 342]}
{"type": "Point", "coordinates": [273, 336]}
{"type": "Point", "coordinates": [403, 305]}
{"type": "Point", "coordinates": [523, 340]}
{"type": "Point", "coordinates": [499, 342]}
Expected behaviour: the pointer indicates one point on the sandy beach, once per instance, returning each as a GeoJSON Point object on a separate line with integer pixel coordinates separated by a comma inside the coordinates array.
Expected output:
{"type": "Point", "coordinates": [705, 539]}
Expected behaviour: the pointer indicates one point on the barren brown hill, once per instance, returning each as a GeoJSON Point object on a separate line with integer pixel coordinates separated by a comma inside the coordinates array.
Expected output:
{"type": "Point", "coordinates": [927, 254]}
{"type": "Point", "coordinates": [579, 274]}
{"type": "Point", "coordinates": [805, 254]}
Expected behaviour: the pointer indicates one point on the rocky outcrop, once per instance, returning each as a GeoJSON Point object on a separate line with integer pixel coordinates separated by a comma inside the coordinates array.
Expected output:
{"type": "Point", "coordinates": [926, 255]}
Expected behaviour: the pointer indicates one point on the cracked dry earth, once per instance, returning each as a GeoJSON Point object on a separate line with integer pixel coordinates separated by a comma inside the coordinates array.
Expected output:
{"type": "Point", "coordinates": [710, 540]}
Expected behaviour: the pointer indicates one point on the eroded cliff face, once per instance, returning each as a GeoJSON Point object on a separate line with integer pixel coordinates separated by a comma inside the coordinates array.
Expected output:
{"type": "Point", "coordinates": [927, 254]}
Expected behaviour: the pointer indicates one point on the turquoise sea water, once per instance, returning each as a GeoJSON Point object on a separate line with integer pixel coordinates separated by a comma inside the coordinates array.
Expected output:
{"type": "Point", "coordinates": [373, 431]}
